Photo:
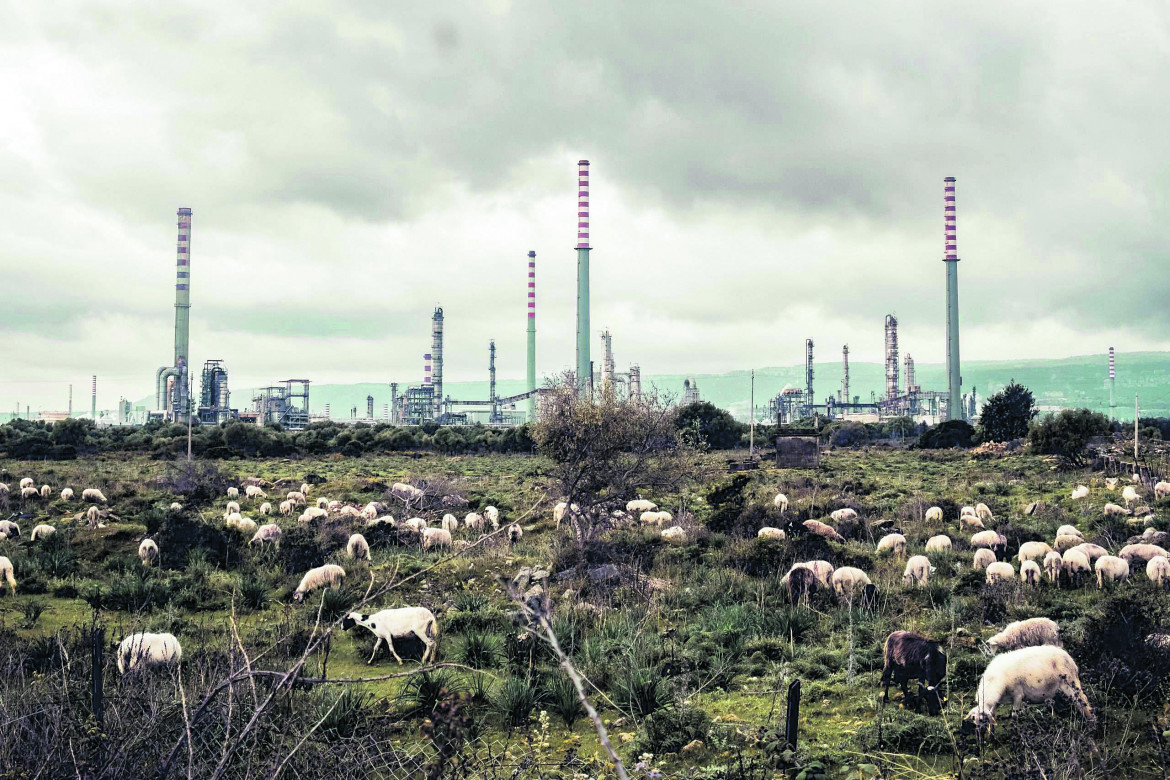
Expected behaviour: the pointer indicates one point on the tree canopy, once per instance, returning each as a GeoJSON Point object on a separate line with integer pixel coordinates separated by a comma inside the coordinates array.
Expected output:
{"type": "Point", "coordinates": [1007, 414]}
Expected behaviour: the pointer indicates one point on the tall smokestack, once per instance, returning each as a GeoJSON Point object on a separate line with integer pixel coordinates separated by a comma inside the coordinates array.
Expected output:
{"type": "Point", "coordinates": [891, 356]}
{"type": "Point", "coordinates": [607, 365]}
{"type": "Point", "coordinates": [427, 368]}
{"type": "Point", "coordinates": [93, 400]}
{"type": "Point", "coordinates": [492, 380]}
{"type": "Point", "coordinates": [437, 351]}
{"type": "Point", "coordinates": [183, 306]}
{"type": "Point", "coordinates": [951, 259]}
{"type": "Point", "coordinates": [808, 369]}
{"type": "Point", "coordinates": [1112, 381]}
{"type": "Point", "coordinates": [845, 373]}
{"type": "Point", "coordinates": [910, 386]}
{"type": "Point", "coordinates": [531, 337]}
{"type": "Point", "coordinates": [584, 364]}
{"type": "Point", "coordinates": [70, 412]}
{"type": "Point", "coordinates": [370, 406]}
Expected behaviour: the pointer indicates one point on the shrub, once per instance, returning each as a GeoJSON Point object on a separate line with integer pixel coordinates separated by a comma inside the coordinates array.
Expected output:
{"type": "Point", "coordinates": [515, 700]}
{"type": "Point", "coordinates": [670, 730]}
{"type": "Point", "coordinates": [32, 610]}
{"type": "Point", "coordinates": [850, 434]}
{"type": "Point", "coordinates": [254, 593]}
{"type": "Point", "coordinates": [1007, 414]}
{"type": "Point", "coordinates": [1067, 433]}
{"type": "Point", "coordinates": [480, 650]}
{"type": "Point", "coordinates": [341, 716]}
{"type": "Point", "coordinates": [642, 690]}
{"type": "Point", "coordinates": [946, 435]}
{"type": "Point", "coordinates": [704, 425]}
{"type": "Point", "coordinates": [423, 692]}
{"type": "Point", "coordinates": [562, 698]}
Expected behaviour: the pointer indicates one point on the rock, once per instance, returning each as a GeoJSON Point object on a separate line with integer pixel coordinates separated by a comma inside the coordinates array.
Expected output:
{"type": "Point", "coordinates": [693, 745]}
{"type": "Point", "coordinates": [604, 572]}
{"type": "Point", "coordinates": [658, 585]}
{"type": "Point", "coordinates": [1032, 507]}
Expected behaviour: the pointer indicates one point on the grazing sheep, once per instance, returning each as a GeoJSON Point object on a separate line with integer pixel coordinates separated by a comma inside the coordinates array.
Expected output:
{"type": "Point", "coordinates": [1000, 571]}
{"type": "Point", "coordinates": [1067, 542]}
{"type": "Point", "coordinates": [841, 515]}
{"type": "Point", "coordinates": [822, 530]}
{"type": "Point", "coordinates": [992, 540]}
{"type": "Point", "coordinates": [1129, 495]}
{"type": "Point", "coordinates": [384, 520]}
{"type": "Point", "coordinates": [676, 534]}
{"type": "Point", "coordinates": [1032, 632]}
{"type": "Point", "coordinates": [1111, 509]}
{"type": "Point", "coordinates": [335, 506]}
{"type": "Point", "coordinates": [369, 511]}
{"type": "Point", "coordinates": [351, 511]}
{"type": "Point", "coordinates": [67, 494]}
{"type": "Point", "coordinates": [9, 529]}
{"type": "Point", "coordinates": [655, 518]}
{"type": "Point", "coordinates": [145, 649]}
{"type": "Point", "coordinates": [1053, 566]}
{"type": "Point", "coordinates": [983, 512]}
{"type": "Point", "coordinates": [450, 523]}
{"type": "Point", "coordinates": [970, 521]}
{"type": "Point", "coordinates": [474, 521]}
{"type": "Point", "coordinates": [768, 532]}
{"type": "Point", "coordinates": [286, 508]}
{"type": "Point", "coordinates": [1158, 570]}
{"type": "Point", "coordinates": [254, 492]}
{"type": "Point", "coordinates": [311, 513]}
{"type": "Point", "coordinates": [265, 508]}
{"type": "Point", "coordinates": [1141, 553]}
{"type": "Point", "coordinates": [267, 533]}
{"type": "Point", "coordinates": [934, 514]}
{"type": "Point", "coordinates": [42, 531]}
{"type": "Point", "coordinates": [405, 492]}
{"type": "Point", "coordinates": [1030, 674]}
{"type": "Point", "coordinates": [357, 547]}
{"type": "Point", "coordinates": [91, 516]}
{"type": "Point", "coordinates": [1030, 573]}
{"type": "Point", "coordinates": [641, 505]}
{"type": "Point", "coordinates": [938, 544]}
{"type": "Point", "coordinates": [29, 492]}
{"type": "Point", "coordinates": [389, 623]}
{"type": "Point", "coordinates": [559, 512]}
{"type": "Point", "coordinates": [3, 488]}
{"type": "Point", "coordinates": [1079, 492]}
{"type": "Point", "coordinates": [780, 502]}
{"type": "Point", "coordinates": [322, 503]}
{"type": "Point", "coordinates": [435, 537]}
{"type": "Point", "coordinates": [148, 552]}
{"type": "Point", "coordinates": [46, 491]}
{"type": "Point", "coordinates": [968, 510]}
{"type": "Point", "coordinates": [1069, 530]}
{"type": "Point", "coordinates": [911, 656]}
{"type": "Point", "coordinates": [1110, 568]}
{"type": "Point", "coordinates": [1091, 551]}
{"type": "Point", "coordinates": [1135, 478]}
{"type": "Point", "coordinates": [245, 524]}
{"type": "Point", "coordinates": [1161, 490]}
{"type": "Point", "coordinates": [492, 515]}
{"type": "Point", "coordinates": [305, 488]}
{"type": "Point", "coordinates": [417, 523]}
{"type": "Point", "coordinates": [8, 574]}
{"type": "Point", "coordinates": [26, 482]}
{"type": "Point", "coordinates": [1030, 551]}
{"type": "Point", "coordinates": [801, 582]}
{"type": "Point", "coordinates": [1111, 483]}
{"type": "Point", "coordinates": [296, 497]}
{"type": "Point", "coordinates": [175, 507]}
{"type": "Point", "coordinates": [892, 543]}
{"type": "Point", "coordinates": [515, 533]}
{"type": "Point", "coordinates": [918, 570]}
{"type": "Point", "coordinates": [233, 492]}
{"type": "Point", "coordinates": [983, 558]}
{"type": "Point", "coordinates": [849, 582]}
{"type": "Point", "coordinates": [232, 508]}
{"type": "Point", "coordinates": [1076, 566]}
{"type": "Point", "coordinates": [822, 570]}
{"type": "Point", "coordinates": [328, 576]}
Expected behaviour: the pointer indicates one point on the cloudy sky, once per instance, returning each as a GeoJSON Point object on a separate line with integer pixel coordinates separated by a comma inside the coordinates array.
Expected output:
{"type": "Point", "coordinates": [762, 173]}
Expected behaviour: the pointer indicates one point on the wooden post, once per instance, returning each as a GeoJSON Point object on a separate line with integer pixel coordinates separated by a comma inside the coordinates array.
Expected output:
{"type": "Point", "coordinates": [792, 716]}
{"type": "Point", "coordinates": [1135, 431]}
{"type": "Point", "coordinates": [99, 640]}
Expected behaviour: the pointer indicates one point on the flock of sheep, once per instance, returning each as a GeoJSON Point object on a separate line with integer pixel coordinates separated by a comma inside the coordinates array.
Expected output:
{"type": "Point", "coordinates": [1034, 667]}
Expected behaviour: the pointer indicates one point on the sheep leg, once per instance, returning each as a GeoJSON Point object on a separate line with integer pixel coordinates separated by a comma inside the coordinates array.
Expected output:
{"type": "Point", "coordinates": [376, 645]}
{"type": "Point", "coordinates": [390, 644]}
{"type": "Point", "coordinates": [430, 648]}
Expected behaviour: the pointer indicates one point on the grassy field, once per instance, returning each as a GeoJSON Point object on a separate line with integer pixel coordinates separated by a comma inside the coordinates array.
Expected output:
{"type": "Point", "coordinates": [689, 648]}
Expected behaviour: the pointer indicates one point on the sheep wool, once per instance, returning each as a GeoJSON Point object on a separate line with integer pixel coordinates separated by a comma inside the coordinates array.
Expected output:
{"type": "Point", "coordinates": [1158, 570]}
{"type": "Point", "coordinates": [146, 649]}
{"type": "Point", "coordinates": [435, 537]}
{"type": "Point", "coordinates": [767, 532]}
{"type": "Point", "coordinates": [328, 576]}
{"type": "Point", "coordinates": [780, 502]}
{"type": "Point", "coordinates": [1079, 492]}
{"type": "Point", "coordinates": [1053, 565]}
{"type": "Point", "coordinates": [1111, 569]}
{"type": "Point", "coordinates": [389, 623]}
{"type": "Point", "coordinates": [67, 494]}
{"type": "Point", "coordinates": [1030, 674]}
{"type": "Point", "coordinates": [938, 544]}
{"type": "Point", "coordinates": [1026, 633]}
{"type": "Point", "coordinates": [1000, 571]}
{"type": "Point", "coordinates": [934, 514]}
{"type": "Point", "coordinates": [42, 531]}
{"type": "Point", "coordinates": [1030, 573]}
{"type": "Point", "coordinates": [892, 543]}
{"type": "Point", "coordinates": [450, 523]}
{"type": "Point", "coordinates": [1031, 551]}
{"type": "Point", "coordinates": [93, 494]}
{"type": "Point", "coordinates": [641, 505]}
{"type": "Point", "coordinates": [1135, 554]}
{"type": "Point", "coordinates": [515, 533]}
{"type": "Point", "coordinates": [676, 534]}
{"type": "Point", "coordinates": [822, 530]}
{"type": "Point", "coordinates": [849, 581]}
{"type": "Point", "coordinates": [267, 533]}
{"type": "Point", "coordinates": [148, 552]}
{"type": "Point", "coordinates": [8, 573]}
{"type": "Point", "coordinates": [918, 570]}
{"type": "Point", "coordinates": [357, 547]}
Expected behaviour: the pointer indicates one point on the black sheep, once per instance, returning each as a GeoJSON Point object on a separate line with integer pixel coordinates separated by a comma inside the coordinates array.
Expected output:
{"type": "Point", "coordinates": [911, 656]}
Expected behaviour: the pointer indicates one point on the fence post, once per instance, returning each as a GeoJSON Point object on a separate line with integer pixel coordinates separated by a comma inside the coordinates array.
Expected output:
{"type": "Point", "coordinates": [99, 640]}
{"type": "Point", "coordinates": [792, 716]}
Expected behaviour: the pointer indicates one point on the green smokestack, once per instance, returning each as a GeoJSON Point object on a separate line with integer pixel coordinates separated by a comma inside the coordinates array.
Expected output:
{"type": "Point", "coordinates": [951, 259]}
{"type": "Point", "coordinates": [584, 364]}
{"type": "Point", "coordinates": [183, 307]}
{"type": "Point", "coordinates": [531, 377]}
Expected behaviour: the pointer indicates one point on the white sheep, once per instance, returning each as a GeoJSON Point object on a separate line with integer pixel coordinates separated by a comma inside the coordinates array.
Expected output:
{"type": "Point", "coordinates": [369, 511]}
{"type": "Point", "coordinates": [92, 515]}
{"type": "Point", "coordinates": [892, 543]}
{"type": "Point", "coordinates": [233, 492]}
{"type": "Point", "coordinates": [1079, 492]}
{"type": "Point", "coordinates": [246, 525]}
{"type": "Point", "coordinates": [1110, 568]}
{"type": "Point", "coordinates": [390, 623]}
{"type": "Point", "coordinates": [938, 544]}
{"type": "Point", "coordinates": [1032, 632]}
{"type": "Point", "coordinates": [1053, 565]}
{"type": "Point", "coordinates": [650, 517]}
{"type": "Point", "coordinates": [822, 570]}
{"type": "Point", "coordinates": [989, 539]}
{"type": "Point", "coordinates": [435, 537]}
{"type": "Point", "coordinates": [1141, 553]}
{"type": "Point", "coordinates": [265, 508]}
{"type": "Point", "coordinates": [450, 523]}
{"type": "Point", "coordinates": [232, 508]}
{"type": "Point", "coordinates": [918, 570]}
{"type": "Point", "coordinates": [322, 503]}
{"type": "Point", "coordinates": [254, 491]}
{"type": "Point", "coordinates": [1135, 478]}
{"type": "Point", "coordinates": [983, 512]}
{"type": "Point", "coordinates": [417, 523]}
{"type": "Point", "coordinates": [1030, 573]}
{"type": "Point", "coordinates": [267, 533]}
{"type": "Point", "coordinates": [405, 492]}
{"type": "Point", "coordinates": [148, 552]}
{"type": "Point", "coordinates": [822, 530]}
{"type": "Point", "coordinates": [970, 521]}
{"type": "Point", "coordinates": [29, 492]}
{"type": "Point", "coordinates": [351, 511]}
{"type": "Point", "coordinates": [492, 515]}
{"type": "Point", "coordinates": [1069, 530]}
{"type": "Point", "coordinates": [842, 515]}
{"type": "Point", "coordinates": [515, 533]}
{"type": "Point", "coordinates": [676, 534]}
{"type": "Point", "coordinates": [1129, 495]}
{"type": "Point", "coordinates": [934, 514]}
{"type": "Point", "coordinates": [1000, 571]}
{"type": "Point", "coordinates": [175, 507]}
{"type": "Point", "coordinates": [641, 505]}
{"type": "Point", "coordinates": [145, 649]}
{"type": "Point", "coordinates": [296, 497]}
{"type": "Point", "coordinates": [1030, 674]}
{"type": "Point", "coordinates": [335, 506]}
{"type": "Point", "coordinates": [3, 488]}
{"type": "Point", "coordinates": [8, 573]}
{"type": "Point", "coordinates": [1076, 565]}
{"type": "Point", "coordinates": [9, 529]}
{"type": "Point", "coordinates": [1161, 490]}
{"type": "Point", "coordinates": [311, 513]}
{"type": "Point", "coordinates": [1030, 551]}
{"type": "Point", "coordinates": [384, 520]}
{"type": "Point", "coordinates": [849, 582]}
{"type": "Point", "coordinates": [46, 491]}
{"type": "Point", "coordinates": [304, 488]}
{"type": "Point", "coordinates": [1066, 542]}
{"type": "Point", "coordinates": [473, 521]}
{"type": "Point", "coordinates": [42, 531]}
{"type": "Point", "coordinates": [1091, 551]}
{"type": "Point", "coordinates": [66, 494]}
{"type": "Point", "coordinates": [1158, 570]}
{"type": "Point", "coordinates": [983, 558]}
{"type": "Point", "coordinates": [286, 508]}
{"type": "Point", "coordinates": [780, 502]}
{"type": "Point", "coordinates": [1111, 509]}
{"type": "Point", "coordinates": [768, 532]}
{"type": "Point", "coordinates": [357, 547]}
{"type": "Point", "coordinates": [968, 510]}
{"type": "Point", "coordinates": [26, 482]}
{"type": "Point", "coordinates": [328, 576]}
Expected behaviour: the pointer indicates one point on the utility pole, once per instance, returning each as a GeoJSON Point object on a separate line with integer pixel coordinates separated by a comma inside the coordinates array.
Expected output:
{"type": "Point", "coordinates": [1135, 430]}
{"type": "Point", "coordinates": [188, 418]}
{"type": "Point", "coordinates": [752, 425]}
